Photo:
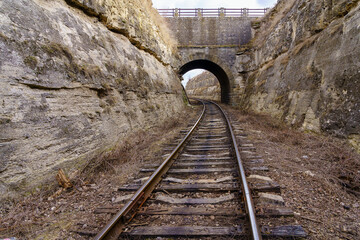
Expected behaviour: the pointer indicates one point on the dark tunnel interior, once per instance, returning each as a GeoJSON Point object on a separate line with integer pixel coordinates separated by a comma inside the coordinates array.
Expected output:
{"type": "Point", "coordinates": [215, 69]}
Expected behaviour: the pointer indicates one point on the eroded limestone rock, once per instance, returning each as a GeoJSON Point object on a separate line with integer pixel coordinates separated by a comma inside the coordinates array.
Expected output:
{"type": "Point", "coordinates": [135, 19]}
{"type": "Point", "coordinates": [305, 66]}
{"type": "Point", "coordinates": [204, 86]}
{"type": "Point", "coordinates": [70, 89]}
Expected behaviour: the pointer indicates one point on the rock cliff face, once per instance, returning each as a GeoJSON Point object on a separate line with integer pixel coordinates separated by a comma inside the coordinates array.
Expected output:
{"type": "Point", "coordinates": [135, 19]}
{"type": "Point", "coordinates": [204, 86]}
{"type": "Point", "coordinates": [70, 88]}
{"type": "Point", "coordinates": [303, 66]}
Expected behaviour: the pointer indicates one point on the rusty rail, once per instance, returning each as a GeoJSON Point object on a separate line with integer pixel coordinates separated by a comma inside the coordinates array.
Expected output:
{"type": "Point", "coordinates": [213, 12]}
{"type": "Point", "coordinates": [113, 229]}
{"type": "Point", "coordinates": [256, 234]}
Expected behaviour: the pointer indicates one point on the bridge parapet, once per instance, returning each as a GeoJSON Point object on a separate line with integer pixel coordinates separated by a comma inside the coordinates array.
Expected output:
{"type": "Point", "coordinates": [211, 43]}
{"type": "Point", "coordinates": [213, 12]}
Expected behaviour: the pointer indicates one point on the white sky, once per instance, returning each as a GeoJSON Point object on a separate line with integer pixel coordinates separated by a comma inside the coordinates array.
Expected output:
{"type": "Point", "coordinates": [210, 4]}
{"type": "Point", "coordinates": [191, 74]}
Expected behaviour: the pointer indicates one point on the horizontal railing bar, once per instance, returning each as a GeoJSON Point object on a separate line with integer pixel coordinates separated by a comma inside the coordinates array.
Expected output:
{"type": "Point", "coordinates": [216, 11]}
{"type": "Point", "coordinates": [213, 12]}
{"type": "Point", "coordinates": [211, 8]}
{"type": "Point", "coordinates": [171, 9]}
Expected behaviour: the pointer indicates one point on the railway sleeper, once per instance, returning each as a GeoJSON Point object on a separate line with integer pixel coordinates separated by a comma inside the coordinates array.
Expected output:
{"type": "Point", "coordinates": [212, 136]}
{"type": "Point", "coordinates": [194, 170]}
{"type": "Point", "coordinates": [194, 164]}
{"type": "Point", "coordinates": [200, 158]}
{"type": "Point", "coordinates": [179, 180]}
{"type": "Point", "coordinates": [205, 144]}
{"type": "Point", "coordinates": [209, 145]}
{"type": "Point", "coordinates": [206, 156]}
{"type": "Point", "coordinates": [193, 201]}
{"type": "Point", "coordinates": [202, 149]}
{"type": "Point", "coordinates": [210, 187]}
{"type": "Point", "coordinates": [261, 211]}
{"type": "Point", "coordinates": [204, 187]}
{"type": "Point", "coordinates": [287, 231]}
{"type": "Point", "coordinates": [254, 161]}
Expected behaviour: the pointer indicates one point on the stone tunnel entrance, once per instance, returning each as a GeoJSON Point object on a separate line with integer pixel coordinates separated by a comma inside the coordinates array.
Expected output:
{"type": "Point", "coordinates": [215, 69]}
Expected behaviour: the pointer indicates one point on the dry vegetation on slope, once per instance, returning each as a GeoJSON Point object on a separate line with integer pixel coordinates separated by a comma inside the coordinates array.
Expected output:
{"type": "Point", "coordinates": [58, 215]}
{"type": "Point", "coordinates": [137, 20]}
{"type": "Point", "coordinates": [304, 66]}
{"type": "Point", "coordinates": [166, 34]}
{"type": "Point", "coordinates": [319, 175]}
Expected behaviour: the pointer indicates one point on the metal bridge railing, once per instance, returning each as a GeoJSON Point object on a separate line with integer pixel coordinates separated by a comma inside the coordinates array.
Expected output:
{"type": "Point", "coordinates": [213, 12]}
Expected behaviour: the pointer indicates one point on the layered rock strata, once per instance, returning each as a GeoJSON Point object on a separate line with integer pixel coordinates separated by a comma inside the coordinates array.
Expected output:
{"type": "Point", "coordinates": [303, 66]}
{"type": "Point", "coordinates": [70, 88]}
{"type": "Point", "coordinates": [204, 86]}
{"type": "Point", "coordinates": [137, 20]}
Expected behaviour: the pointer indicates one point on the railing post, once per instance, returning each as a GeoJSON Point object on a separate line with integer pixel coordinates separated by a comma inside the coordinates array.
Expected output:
{"type": "Point", "coordinates": [222, 12]}
{"type": "Point", "coordinates": [198, 12]}
{"type": "Point", "coordinates": [245, 12]}
{"type": "Point", "coordinates": [176, 12]}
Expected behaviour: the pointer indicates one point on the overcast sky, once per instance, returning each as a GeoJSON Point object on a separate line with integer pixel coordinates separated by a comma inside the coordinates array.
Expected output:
{"type": "Point", "coordinates": [210, 4]}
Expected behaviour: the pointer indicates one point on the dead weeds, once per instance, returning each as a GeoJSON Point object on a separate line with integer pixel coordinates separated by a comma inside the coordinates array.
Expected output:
{"type": "Point", "coordinates": [319, 175]}
{"type": "Point", "coordinates": [139, 147]}
{"type": "Point", "coordinates": [342, 159]}
{"type": "Point", "coordinates": [47, 216]}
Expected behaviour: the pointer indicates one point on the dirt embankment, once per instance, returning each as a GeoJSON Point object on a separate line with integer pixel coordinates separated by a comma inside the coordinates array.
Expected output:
{"type": "Point", "coordinates": [57, 213]}
{"type": "Point", "coordinates": [319, 176]}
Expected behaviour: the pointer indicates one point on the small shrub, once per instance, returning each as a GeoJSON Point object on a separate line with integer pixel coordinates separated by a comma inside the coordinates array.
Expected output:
{"type": "Point", "coordinates": [31, 62]}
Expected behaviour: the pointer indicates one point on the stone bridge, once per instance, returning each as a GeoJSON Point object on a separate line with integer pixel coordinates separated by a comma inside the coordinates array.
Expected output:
{"type": "Point", "coordinates": [210, 40]}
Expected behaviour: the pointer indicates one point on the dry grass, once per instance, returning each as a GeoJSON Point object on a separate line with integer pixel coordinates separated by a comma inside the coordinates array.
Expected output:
{"type": "Point", "coordinates": [261, 83]}
{"type": "Point", "coordinates": [337, 159]}
{"type": "Point", "coordinates": [165, 32]}
{"type": "Point", "coordinates": [42, 217]}
{"type": "Point", "coordinates": [319, 175]}
{"type": "Point", "coordinates": [304, 44]}
{"type": "Point", "coordinates": [267, 65]}
{"type": "Point", "coordinates": [285, 59]}
{"type": "Point", "coordinates": [136, 149]}
{"type": "Point", "coordinates": [336, 27]}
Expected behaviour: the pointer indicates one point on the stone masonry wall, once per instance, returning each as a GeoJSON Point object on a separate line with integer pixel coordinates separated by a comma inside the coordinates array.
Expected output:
{"type": "Point", "coordinates": [216, 39]}
{"type": "Point", "coordinates": [70, 88]}
{"type": "Point", "coordinates": [214, 36]}
{"type": "Point", "coordinates": [220, 31]}
{"type": "Point", "coordinates": [303, 66]}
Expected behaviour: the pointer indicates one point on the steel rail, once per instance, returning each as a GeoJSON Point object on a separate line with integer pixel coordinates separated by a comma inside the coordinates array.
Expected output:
{"type": "Point", "coordinates": [113, 229]}
{"type": "Point", "coordinates": [256, 234]}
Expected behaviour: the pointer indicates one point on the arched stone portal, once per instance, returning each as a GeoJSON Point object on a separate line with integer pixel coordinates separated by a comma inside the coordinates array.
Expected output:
{"type": "Point", "coordinates": [215, 69]}
{"type": "Point", "coordinates": [212, 43]}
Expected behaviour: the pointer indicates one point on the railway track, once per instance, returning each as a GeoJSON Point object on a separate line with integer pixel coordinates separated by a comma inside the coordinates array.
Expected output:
{"type": "Point", "coordinates": [199, 191]}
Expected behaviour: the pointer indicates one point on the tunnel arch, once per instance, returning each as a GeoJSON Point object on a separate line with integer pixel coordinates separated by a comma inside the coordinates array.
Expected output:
{"type": "Point", "coordinates": [215, 69]}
